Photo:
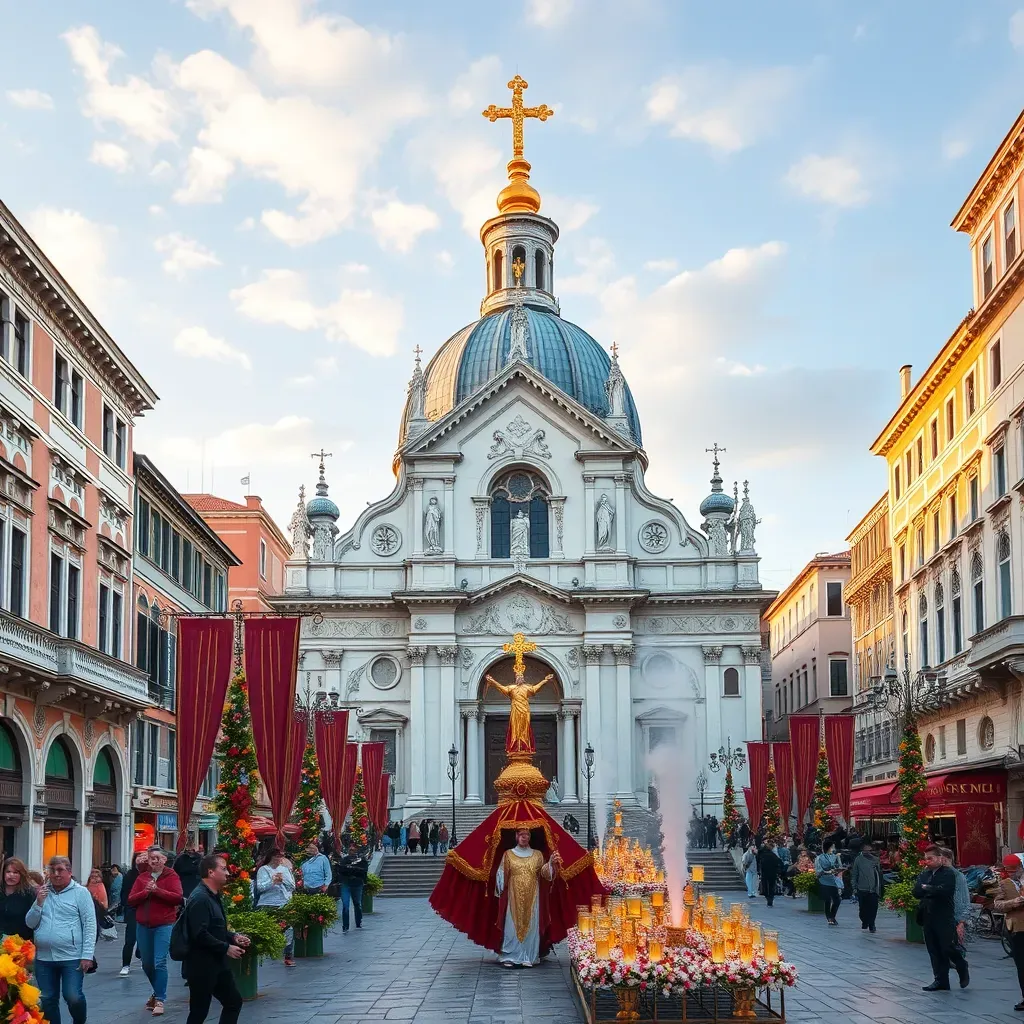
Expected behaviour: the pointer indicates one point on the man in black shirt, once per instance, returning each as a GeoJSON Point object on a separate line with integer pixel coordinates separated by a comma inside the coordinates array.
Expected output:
{"type": "Point", "coordinates": [935, 887]}
{"type": "Point", "coordinates": [210, 946]}
{"type": "Point", "coordinates": [352, 873]}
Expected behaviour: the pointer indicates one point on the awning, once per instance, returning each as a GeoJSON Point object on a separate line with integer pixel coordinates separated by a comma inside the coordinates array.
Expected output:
{"type": "Point", "coordinates": [880, 798]}
{"type": "Point", "coordinates": [966, 787]}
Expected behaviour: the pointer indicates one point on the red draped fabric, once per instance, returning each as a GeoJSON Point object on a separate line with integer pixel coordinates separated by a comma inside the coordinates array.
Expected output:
{"type": "Point", "coordinates": [279, 734]}
{"type": "Point", "coordinates": [839, 749]}
{"type": "Point", "coordinates": [263, 827]}
{"type": "Point", "coordinates": [805, 742]}
{"type": "Point", "coordinates": [348, 786]}
{"type": "Point", "coordinates": [749, 801]}
{"type": "Point", "coordinates": [380, 816]}
{"type": "Point", "coordinates": [757, 755]}
{"type": "Point", "coordinates": [465, 894]}
{"type": "Point", "coordinates": [782, 755]}
{"type": "Point", "coordinates": [331, 749]}
{"type": "Point", "coordinates": [372, 756]}
{"type": "Point", "coordinates": [201, 684]}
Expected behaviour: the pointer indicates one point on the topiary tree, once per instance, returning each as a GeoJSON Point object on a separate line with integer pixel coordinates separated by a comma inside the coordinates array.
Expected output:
{"type": "Point", "coordinates": [730, 814]}
{"type": "Point", "coordinates": [307, 807]}
{"type": "Point", "coordinates": [359, 822]}
{"type": "Point", "coordinates": [772, 811]}
{"type": "Point", "coordinates": [822, 820]}
{"type": "Point", "coordinates": [913, 800]}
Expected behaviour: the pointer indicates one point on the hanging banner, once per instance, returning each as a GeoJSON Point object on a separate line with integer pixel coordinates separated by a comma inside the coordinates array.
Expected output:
{"type": "Point", "coordinates": [757, 755]}
{"type": "Point", "coordinates": [372, 757]}
{"type": "Point", "coordinates": [380, 817]}
{"type": "Point", "coordinates": [749, 801]}
{"type": "Point", "coordinates": [278, 731]}
{"type": "Point", "coordinates": [782, 757]}
{"type": "Point", "coordinates": [331, 737]}
{"type": "Point", "coordinates": [839, 749]}
{"type": "Point", "coordinates": [200, 686]}
{"type": "Point", "coordinates": [805, 743]}
{"type": "Point", "coordinates": [348, 786]}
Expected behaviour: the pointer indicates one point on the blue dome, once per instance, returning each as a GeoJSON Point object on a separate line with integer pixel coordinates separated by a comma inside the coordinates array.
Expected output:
{"type": "Point", "coordinates": [717, 501]}
{"type": "Point", "coordinates": [321, 506]}
{"type": "Point", "coordinates": [564, 353]}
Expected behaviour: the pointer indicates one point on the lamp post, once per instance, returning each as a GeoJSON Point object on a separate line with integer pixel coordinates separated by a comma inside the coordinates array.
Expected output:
{"type": "Point", "coordinates": [588, 774]}
{"type": "Point", "coordinates": [453, 774]}
{"type": "Point", "coordinates": [726, 757]}
{"type": "Point", "coordinates": [905, 697]}
{"type": "Point", "coordinates": [702, 784]}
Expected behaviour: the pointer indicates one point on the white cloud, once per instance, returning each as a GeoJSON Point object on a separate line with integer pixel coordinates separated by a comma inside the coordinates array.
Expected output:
{"type": "Point", "coordinates": [156, 210]}
{"type": "Point", "coordinates": [284, 442]}
{"type": "Point", "coordinates": [471, 90]}
{"type": "Point", "coordinates": [835, 180]}
{"type": "Point", "coordinates": [303, 380]}
{"type": "Point", "coordinates": [30, 99]}
{"type": "Point", "coordinates": [596, 262]}
{"type": "Point", "coordinates": [662, 266]}
{"type": "Point", "coordinates": [954, 148]}
{"type": "Point", "coordinates": [397, 225]}
{"type": "Point", "coordinates": [721, 105]}
{"type": "Point", "coordinates": [445, 260]}
{"type": "Point", "coordinates": [569, 214]}
{"type": "Point", "coordinates": [361, 317]}
{"type": "Point", "coordinates": [78, 248]}
{"type": "Point", "coordinates": [111, 155]}
{"type": "Point", "coordinates": [138, 107]}
{"type": "Point", "coordinates": [1017, 29]}
{"type": "Point", "coordinates": [355, 268]}
{"type": "Point", "coordinates": [468, 172]}
{"type": "Point", "coordinates": [199, 343]}
{"type": "Point", "coordinates": [548, 13]}
{"type": "Point", "coordinates": [184, 255]}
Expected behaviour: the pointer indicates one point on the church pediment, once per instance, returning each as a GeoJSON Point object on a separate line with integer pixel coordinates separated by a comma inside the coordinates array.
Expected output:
{"type": "Point", "coordinates": [519, 611]}
{"type": "Point", "coordinates": [382, 718]}
{"type": "Point", "coordinates": [520, 581]}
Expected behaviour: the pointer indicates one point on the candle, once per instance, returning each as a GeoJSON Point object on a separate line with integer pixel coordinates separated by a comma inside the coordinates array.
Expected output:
{"type": "Point", "coordinates": [645, 917]}
{"type": "Point", "coordinates": [659, 876]}
{"type": "Point", "coordinates": [697, 872]}
{"type": "Point", "coordinates": [717, 949]}
{"type": "Point", "coordinates": [602, 944]}
{"type": "Point", "coordinates": [654, 949]}
{"type": "Point", "coordinates": [633, 906]}
{"type": "Point", "coordinates": [596, 902]}
{"type": "Point", "coordinates": [657, 898]}
{"type": "Point", "coordinates": [585, 923]}
{"type": "Point", "coordinates": [710, 903]}
{"type": "Point", "coordinates": [771, 946]}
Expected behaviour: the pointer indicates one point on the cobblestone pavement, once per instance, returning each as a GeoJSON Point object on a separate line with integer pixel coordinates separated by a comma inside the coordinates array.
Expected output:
{"type": "Point", "coordinates": [406, 964]}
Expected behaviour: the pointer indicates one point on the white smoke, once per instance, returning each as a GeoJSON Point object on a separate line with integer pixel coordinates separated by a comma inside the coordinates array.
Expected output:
{"type": "Point", "coordinates": [674, 774]}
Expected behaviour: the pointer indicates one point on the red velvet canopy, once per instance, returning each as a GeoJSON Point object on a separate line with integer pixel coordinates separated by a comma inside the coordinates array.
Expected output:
{"type": "Point", "coordinates": [465, 894]}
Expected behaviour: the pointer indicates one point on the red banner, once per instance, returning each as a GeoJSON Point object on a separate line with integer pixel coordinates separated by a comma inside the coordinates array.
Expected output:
{"type": "Point", "coordinates": [331, 733]}
{"type": "Point", "coordinates": [381, 815]}
{"type": "Point", "coordinates": [279, 734]}
{"type": "Point", "coordinates": [372, 757]}
{"type": "Point", "coordinates": [757, 755]}
{"type": "Point", "coordinates": [782, 756]}
{"type": "Point", "coordinates": [201, 684]}
{"type": "Point", "coordinates": [805, 742]}
{"type": "Point", "coordinates": [839, 748]}
{"type": "Point", "coordinates": [348, 786]}
{"type": "Point", "coordinates": [749, 800]}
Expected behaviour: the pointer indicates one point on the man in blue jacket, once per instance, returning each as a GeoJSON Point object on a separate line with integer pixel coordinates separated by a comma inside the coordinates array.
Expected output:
{"type": "Point", "coordinates": [316, 871]}
{"type": "Point", "coordinates": [64, 920]}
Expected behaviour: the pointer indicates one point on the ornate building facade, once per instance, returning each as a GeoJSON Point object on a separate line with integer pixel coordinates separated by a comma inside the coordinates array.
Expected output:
{"type": "Point", "coordinates": [520, 506]}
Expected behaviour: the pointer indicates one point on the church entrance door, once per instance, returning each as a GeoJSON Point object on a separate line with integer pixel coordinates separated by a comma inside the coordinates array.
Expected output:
{"type": "Point", "coordinates": [545, 732]}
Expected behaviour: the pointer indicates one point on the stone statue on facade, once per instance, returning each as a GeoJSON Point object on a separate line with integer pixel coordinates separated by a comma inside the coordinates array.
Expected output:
{"type": "Point", "coordinates": [718, 534]}
{"type": "Point", "coordinates": [604, 517]}
{"type": "Point", "coordinates": [300, 527]}
{"type": "Point", "coordinates": [432, 528]}
{"type": "Point", "coordinates": [520, 536]}
{"type": "Point", "coordinates": [747, 520]}
{"type": "Point", "coordinates": [519, 329]}
{"type": "Point", "coordinates": [323, 542]}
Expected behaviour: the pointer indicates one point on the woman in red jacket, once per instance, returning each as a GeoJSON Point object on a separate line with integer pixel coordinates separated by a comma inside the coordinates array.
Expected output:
{"type": "Point", "coordinates": [156, 896]}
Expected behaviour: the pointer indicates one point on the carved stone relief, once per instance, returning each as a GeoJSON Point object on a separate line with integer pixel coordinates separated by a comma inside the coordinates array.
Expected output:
{"type": "Point", "coordinates": [522, 615]}
{"type": "Point", "coordinates": [375, 628]}
{"type": "Point", "coordinates": [654, 536]}
{"type": "Point", "coordinates": [518, 438]}
{"type": "Point", "coordinates": [696, 624]}
{"type": "Point", "coordinates": [385, 540]}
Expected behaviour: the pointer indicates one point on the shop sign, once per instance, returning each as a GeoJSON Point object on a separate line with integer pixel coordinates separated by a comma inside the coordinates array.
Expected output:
{"type": "Point", "coordinates": [167, 823]}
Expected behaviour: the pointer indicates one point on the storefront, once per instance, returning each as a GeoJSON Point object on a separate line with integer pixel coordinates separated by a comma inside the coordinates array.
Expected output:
{"type": "Point", "coordinates": [156, 821]}
{"type": "Point", "coordinates": [206, 831]}
{"type": "Point", "coordinates": [965, 812]}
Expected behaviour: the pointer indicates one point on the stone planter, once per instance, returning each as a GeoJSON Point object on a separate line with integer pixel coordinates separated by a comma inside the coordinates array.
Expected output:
{"type": "Point", "coordinates": [246, 972]}
{"type": "Point", "coordinates": [815, 904]}
{"type": "Point", "coordinates": [309, 941]}
{"type": "Point", "coordinates": [367, 902]}
{"type": "Point", "coordinates": [914, 931]}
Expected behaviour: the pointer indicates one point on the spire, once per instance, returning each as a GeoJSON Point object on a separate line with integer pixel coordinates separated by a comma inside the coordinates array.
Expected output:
{"type": "Point", "coordinates": [321, 484]}
{"type": "Point", "coordinates": [300, 527]}
{"type": "Point", "coordinates": [716, 477]}
{"type": "Point", "coordinates": [520, 330]}
{"type": "Point", "coordinates": [615, 391]}
{"type": "Point", "coordinates": [417, 421]}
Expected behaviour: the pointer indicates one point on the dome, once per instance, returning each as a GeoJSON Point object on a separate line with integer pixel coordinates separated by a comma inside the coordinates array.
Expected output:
{"type": "Point", "coordinates": [564, 353]}
{"type": "Point", "coordinates": [717, 501]}
{"type": "Point", "coordinates": [322, 506]}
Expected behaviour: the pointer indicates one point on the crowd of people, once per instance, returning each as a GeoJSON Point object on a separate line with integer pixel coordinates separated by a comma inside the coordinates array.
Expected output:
{"type": "Point", "coordinates": [426, 836]}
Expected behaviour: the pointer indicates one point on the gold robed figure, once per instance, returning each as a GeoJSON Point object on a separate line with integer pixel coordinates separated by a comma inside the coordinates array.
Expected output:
{"type": "Point", "coordinates": [519, 738]}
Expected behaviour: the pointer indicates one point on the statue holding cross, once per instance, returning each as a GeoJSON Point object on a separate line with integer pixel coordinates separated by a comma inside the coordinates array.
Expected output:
{"type": "Point", "coordinates": [519, 737]}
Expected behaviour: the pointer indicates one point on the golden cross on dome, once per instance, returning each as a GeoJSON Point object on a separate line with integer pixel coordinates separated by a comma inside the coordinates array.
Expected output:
{"type": "Point", "coordinates": [517, 112]}
{"type": "Point", "coordinates": [519, 646]}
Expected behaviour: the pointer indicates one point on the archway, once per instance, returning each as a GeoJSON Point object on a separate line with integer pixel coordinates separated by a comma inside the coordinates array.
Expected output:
{"type": "Point", "coordinates": [12, 807]}
{"type": "Point", "coordinates": [105, 806]}
{"type": "Point", "coordinates": [61, 806]}
{"type": "Point", "coordinates": [544, 708]}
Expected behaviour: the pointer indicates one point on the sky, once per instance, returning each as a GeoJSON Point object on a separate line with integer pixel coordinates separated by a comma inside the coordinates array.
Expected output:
{"type": "Point", "coordinates": [270, 203]}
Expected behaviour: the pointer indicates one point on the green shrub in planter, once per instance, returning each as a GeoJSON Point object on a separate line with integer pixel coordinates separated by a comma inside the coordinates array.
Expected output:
{"type": "Point", "coordinates": [308, 915]}
{"type": "Point", "coordinates": [806, 884]}
{"type": "Point", "coordinates": [374, 885]}
{"type": "Point", "coordinates": [266, 935]}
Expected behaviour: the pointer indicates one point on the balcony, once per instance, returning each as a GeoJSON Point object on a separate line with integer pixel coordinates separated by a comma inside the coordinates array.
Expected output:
{"type": "Point", "coordinates": [999, 650]}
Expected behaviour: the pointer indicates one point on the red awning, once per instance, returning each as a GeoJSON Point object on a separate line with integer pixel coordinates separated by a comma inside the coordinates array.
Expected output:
{"type": "Point", "coordinates": [966, 788]}
{"type": "Point", "coordinates": [879, 798]}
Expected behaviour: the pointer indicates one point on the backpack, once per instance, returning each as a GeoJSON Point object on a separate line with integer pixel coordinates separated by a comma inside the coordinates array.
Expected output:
{"type": "Point", "coordinates": [178, 948]}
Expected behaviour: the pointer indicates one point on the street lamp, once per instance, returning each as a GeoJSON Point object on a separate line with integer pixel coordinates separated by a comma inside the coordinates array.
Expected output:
{"type": "Point", "coordinates": [588, 773]}
{"type": "Point", "coordinates": [905, 697]}
{"type": "Point", "coordinates": [453, 774]}
{"type": "Point", "coordinates": [728, 758]}
{"type": "Point", "coordinates": [702, 784]}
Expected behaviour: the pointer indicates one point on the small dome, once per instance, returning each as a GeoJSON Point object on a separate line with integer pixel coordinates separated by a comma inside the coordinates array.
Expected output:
{"type": "Point", "coordinates": [717, 501]}
{"type": "Point", "coordinates": [322, 506]}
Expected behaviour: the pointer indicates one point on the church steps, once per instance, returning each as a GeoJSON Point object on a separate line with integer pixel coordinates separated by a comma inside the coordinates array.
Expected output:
{"type": "Point", "coordinates": [720, 872]}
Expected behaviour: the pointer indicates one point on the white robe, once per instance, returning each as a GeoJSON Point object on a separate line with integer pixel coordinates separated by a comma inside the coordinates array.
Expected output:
{"type": "Point", "coordinates": [527, 952]}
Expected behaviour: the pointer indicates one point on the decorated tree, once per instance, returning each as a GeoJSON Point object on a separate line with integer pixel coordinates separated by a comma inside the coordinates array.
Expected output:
{"type": "Point", "coordinates": [823, 821]}
{"type": "Point", "coordinates": [236, 794]}
{"type": "Point", "coordinates": [772, 811]}
{"type": "Point", "coordinates": [307, 807]}
{"type": "Point", "coordinates": [730, 815]}
{"type": "Point", "coordinates": [913, 800]}
{"type": "Point", "coordinates": [359, 823]}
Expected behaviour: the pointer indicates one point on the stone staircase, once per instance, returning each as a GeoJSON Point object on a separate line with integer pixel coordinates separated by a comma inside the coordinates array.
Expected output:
{"type": "Point", "coordinates": [720, 872]}
{"type": "Point", "coordinates": [409, 874]}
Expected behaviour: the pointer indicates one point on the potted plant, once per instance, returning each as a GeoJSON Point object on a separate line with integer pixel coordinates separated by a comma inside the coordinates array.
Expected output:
{"type": "Point", "coordinates": [266, 938]}
{"type": "Point", "coordinates": [899, 897]}
{"type": "Point", "coordinates": [373, 885]}
{"type": "Point", "coordinates": [806, 883]}
{"type": "Point", "coordinates": [308, 915]}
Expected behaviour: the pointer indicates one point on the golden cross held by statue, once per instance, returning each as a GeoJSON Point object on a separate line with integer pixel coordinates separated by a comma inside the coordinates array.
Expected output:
{"type": "Point", "coordinates": [519, 646]}
{"type": "Point", "coordinates": [517, 112]}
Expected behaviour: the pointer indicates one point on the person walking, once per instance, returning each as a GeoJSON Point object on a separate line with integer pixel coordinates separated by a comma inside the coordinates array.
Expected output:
{"type": "Point", "coordinates": [770, 866]}
{"type": "Point", "coordinates": [443, 836]}
{"type": "Point", "coordinates": [961, 902]}
{"type": "Point", "coordinates": [186, 866]}
{"type": "Point", "coordinates": [116, 886]}
{"type": "Point", "coordinates": [829, 871]}
{"type": "Point", "coordinates": [96, 888]}
{"type": "Point", "coordinates": [935, 888]}
{"type": "Point", "coordinates": [316, 871]}
{"type": "Point", "coordinates": [866, 880]}
{"type": "Point", "coordinates": [414, 836]}
{"type": "Point", "coordinates": [782, 852]}
{"type": "Point", "coordinates": [353, 877]}
{"type": "Point", "coordinates": [749, 865]}
{"type": "Point", "coordinates": [425, 836]}
{"type": "Point", "coordinates": [156, 896]}
{"type": "Point", "coordinates": [210, 946]}
{"type": "Point", "coordinates": [139, 866]}
{"type": "Point", "coordinates": [435, 837]}
{"type": "Point", "coordinates": [275, 884]}
{"type": "Point", "coordinates": [1011, 905]}
{"type": "Point", "coordinates": [64, 921]}
{"type": "Point", "coordinates": [18, 895]}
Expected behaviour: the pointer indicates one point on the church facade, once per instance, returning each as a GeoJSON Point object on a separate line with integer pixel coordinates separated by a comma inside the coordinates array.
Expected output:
{"type": "Point", "coordinates": [520, 506]}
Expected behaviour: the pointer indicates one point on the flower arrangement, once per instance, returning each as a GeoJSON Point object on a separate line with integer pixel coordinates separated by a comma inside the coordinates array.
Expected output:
{"type": "Point", "coordinates": [806, 882]}
{"type": "Point", "coordinates": [265, 931]}
{"type": "Point", "coordinates": [359, 820]}
{"type": "Point", "coordinates": [236, 757]}
{"type": "Point", "coordinates": [303, 910]}
{"type": "Point", "coordinates": [19, 999]}
{"type": "Point", "coordinates": [899, 897]}
{"type": "Point", "coordinates": [307, 807]}
{"type": "Point", "coordinates": [374, 884]}
{"type": "Point", "coordinates": [636, 888]}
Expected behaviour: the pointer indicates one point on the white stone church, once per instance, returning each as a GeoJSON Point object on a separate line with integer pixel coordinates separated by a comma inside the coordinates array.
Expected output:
{"type": "Point", "coordinates": [520, 506]}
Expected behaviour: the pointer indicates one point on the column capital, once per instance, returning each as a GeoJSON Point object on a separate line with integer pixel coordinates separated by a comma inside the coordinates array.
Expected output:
{"type": "Point", "coordinates": [417, 654]}
{"type": "Point", "coordinates": [592, 653]}
{"type": "Point", "coordinates": [712, 655]}
{"type": "Point", "coordinates": [752, 655]}
{"type": "Point", "coordinates": [623, 653]}
{"type": "Point", "coordinates": [332, 658]}
{"type": "Point", "coordinates": [416, 483]}
{"type": "Point", "coordinates": [447, 653]}
{"type": "Point", "coordinates": [471, 713]}
{"type": "Point", "coordinates": [571, 711]}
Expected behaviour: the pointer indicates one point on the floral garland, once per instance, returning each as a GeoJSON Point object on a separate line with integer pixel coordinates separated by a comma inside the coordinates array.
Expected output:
{"type": "Point", "coordinates": [823, 821]}
{"type": "Point", "coordinates": [913, 800]}
{"type": "Point", "coordinates": [19, 1000]}
{"type": "Point", "coordinates": [359, 822]}
{"type": "Point", "coordinates": [636, 888]}
{"type": "Point", "coordinates": [307, 807]}
{"type": "Point", "coordinates": [730, 815]}
{"type": "Point", "coordinates": [236, 757]}
{"type": "Point", "coordinates": [679, 969]}
{"type": "Point", "coordinates": [772, 811]}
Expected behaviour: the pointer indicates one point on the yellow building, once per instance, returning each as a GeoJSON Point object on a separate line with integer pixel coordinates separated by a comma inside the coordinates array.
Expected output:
{"type": "Point", "coordinates": [955, 458]}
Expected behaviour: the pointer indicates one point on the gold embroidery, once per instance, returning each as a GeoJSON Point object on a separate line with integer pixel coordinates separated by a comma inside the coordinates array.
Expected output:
{"type": "Point", "coordinates": [521, 883]}
{"type": "Point", "coordinates": [576, 867]}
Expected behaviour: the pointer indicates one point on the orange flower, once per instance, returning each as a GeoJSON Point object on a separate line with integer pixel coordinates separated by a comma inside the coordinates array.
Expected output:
{"type": "Point", "coordinates": [237, 898]}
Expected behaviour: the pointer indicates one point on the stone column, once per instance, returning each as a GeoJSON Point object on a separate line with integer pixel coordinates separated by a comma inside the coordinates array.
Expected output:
{"type": "Point", "coordinates": [624, 719]}
{"type": "Point", "coordinates": [621, 506]}
{"type": "Point", "coordinates": [713, 696]}
{"type": "Point", "coordinates": [592, 654]}
{"type": "Point", "coordinates": [447, 654]}
{"type": "Point", "coordinates": [557, 505]}
{"type": "Point", "coordinates": [568, 717]}
{"type": "Point", "coordinates": [416, 483]}
{"type": "Point", "coordinates": [418, 728]}
{"type": "Point", "coordinates": [472, 760]}
{"type": "Point", "coordinates": [481, 510]}
{"type": "Point", "coordinates": [752, 691]}
{"type": "Point", "coordinates": [332, 671]}
{"type": "Point", "coordinates": [588, 512]}
{"type": "Point", "coordinates": [448, 524]}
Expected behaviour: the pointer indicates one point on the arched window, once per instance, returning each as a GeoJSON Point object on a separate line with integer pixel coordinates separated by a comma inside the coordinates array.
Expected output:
{"type": "Point", "coordinates": [940, 624]}
{"type": "Point", "coordinates": [906, 641]}
{"type": "Point", "coordinates": [518, 264]}
{"type": "Point", "coordinates": [957, 612]}
{"type": "Point", "coordinates": [978, 591]}
{"type": "Point", "coordinates": [519, 491]}
{"type": "Point", "coordinates": [540, 270]}
{"type": "Point", "coordinates": [731, 683]}
{"type": "Point", "coordinates": [9, 760]}
{"type": "Point", "coordinates": [103, 775]}
{"type": "Point", "coordinates": [922, 614]}
{"type": "Point", "coordinates": [497, 280]}
{"type": "Point", "coordinates": [58, 762]}
{"type": "Point", "coordinates": [1005, 577]}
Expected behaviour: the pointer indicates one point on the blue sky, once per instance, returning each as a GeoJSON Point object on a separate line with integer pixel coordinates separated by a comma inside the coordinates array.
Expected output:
{"type": "Point", "coordinates": [271, 202]}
